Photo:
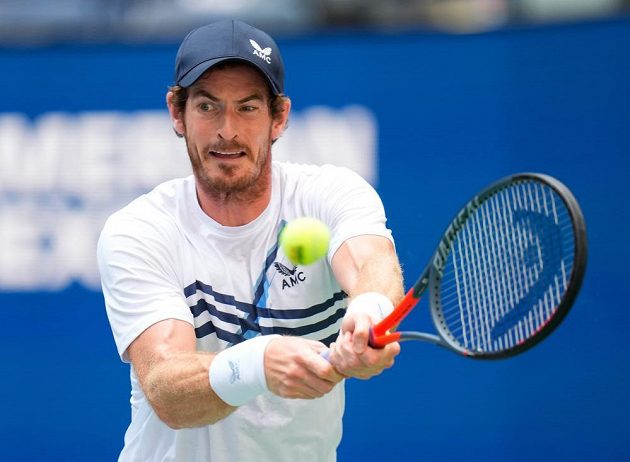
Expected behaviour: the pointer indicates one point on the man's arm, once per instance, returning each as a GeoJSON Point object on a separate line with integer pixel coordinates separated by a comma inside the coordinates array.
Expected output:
{"type": "Point", "coordinates": [175, 377]}
{"type": "Point", "coordinates": [365, 264]}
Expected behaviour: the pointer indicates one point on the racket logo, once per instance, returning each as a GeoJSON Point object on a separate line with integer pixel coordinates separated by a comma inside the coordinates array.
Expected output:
{"type": "Point", "coordinates": [542, 263]}
{"type": "Point", "coordinates": [444, 248]}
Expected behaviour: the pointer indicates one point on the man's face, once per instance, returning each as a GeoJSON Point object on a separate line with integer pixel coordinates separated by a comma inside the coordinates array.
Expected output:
{"type": "Point", "coordinates": [228, 129]}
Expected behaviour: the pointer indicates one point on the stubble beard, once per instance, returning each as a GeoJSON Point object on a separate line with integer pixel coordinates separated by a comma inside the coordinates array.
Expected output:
{"type": "Point", "coordinates": [229, 185]}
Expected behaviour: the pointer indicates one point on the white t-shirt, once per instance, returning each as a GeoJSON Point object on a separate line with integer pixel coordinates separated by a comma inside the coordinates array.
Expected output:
{"type": "Point", "coordinates": [162, 257]}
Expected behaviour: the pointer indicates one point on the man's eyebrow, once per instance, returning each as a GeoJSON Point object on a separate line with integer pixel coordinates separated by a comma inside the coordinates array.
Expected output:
{"type": "Point", "coordinates": [205, 94]}
{"type": "Point", "coordinates": [253, 96]}
{"type": "Point", "coordinates": [200, 93]}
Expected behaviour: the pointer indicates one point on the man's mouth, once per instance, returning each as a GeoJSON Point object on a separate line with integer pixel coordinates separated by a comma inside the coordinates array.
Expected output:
{"type": "Point", "coordinates": [227, 154]}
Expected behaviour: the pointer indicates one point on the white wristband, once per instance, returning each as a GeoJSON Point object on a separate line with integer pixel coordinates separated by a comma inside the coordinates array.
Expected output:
{"type": "Point", "coordinates": [237, 374]}
{"type": "Point", "coordinates": [374, 304]}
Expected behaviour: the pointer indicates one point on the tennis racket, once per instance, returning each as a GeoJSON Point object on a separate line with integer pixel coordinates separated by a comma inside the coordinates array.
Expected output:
{"type": "Point", "coordinates": [505, 273]}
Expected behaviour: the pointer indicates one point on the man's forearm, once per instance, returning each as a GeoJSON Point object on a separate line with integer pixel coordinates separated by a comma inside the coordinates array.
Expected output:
{"type": "Point", "coordinates": [178, 388]}
{"type": "Point", "coordinates": [380, 273]}
{"type": "Point", "coordinates": [369, 264]}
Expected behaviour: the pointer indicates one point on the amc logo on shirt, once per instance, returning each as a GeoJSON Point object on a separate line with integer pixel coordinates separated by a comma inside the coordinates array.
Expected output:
{"type": "Point", "coordinates": [292, 277]}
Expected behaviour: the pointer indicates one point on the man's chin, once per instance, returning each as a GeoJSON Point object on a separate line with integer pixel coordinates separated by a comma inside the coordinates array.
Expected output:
{"type": "Point", "coordinates": [239, 179]}
{"type": "Point", "coordinates": [227, 183]}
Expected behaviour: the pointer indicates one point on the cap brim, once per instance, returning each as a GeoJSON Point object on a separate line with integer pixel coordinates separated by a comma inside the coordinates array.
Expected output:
{"type": "Point", "coordinates": [197, 71]}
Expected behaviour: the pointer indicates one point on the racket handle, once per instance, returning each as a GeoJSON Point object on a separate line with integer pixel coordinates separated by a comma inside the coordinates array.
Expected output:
{"type": "Point", "coordinates": [374, 342]}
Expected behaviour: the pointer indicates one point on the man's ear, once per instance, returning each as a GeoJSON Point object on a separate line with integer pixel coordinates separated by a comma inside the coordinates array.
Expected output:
{"type": "Point", "coordinates": [281, 119]}
{"type": "Point", "coordinates": [176, 117]}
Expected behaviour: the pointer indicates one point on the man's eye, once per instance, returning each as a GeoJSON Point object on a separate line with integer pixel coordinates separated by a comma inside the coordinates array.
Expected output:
{"type": "Point", "coordinates": [207, 106]}
{"type": "Point", "coordinates": [249, 108]}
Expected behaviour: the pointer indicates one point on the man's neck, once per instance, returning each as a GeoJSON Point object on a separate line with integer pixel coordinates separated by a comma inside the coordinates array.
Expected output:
{"type": "Point", "coordinates": [232, 211]}
{"type": "Point", "coordinates": [235, 208]}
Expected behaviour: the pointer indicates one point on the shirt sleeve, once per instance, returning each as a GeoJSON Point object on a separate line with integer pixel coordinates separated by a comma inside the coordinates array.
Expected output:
{"type": "Point", "coordinates": [349, 205]}
{"type": "Point", "coordinates": [137, 263]}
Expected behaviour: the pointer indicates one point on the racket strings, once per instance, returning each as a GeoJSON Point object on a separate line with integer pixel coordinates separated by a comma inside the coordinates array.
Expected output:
{"type": "Point", "coordinates": [508, 268]}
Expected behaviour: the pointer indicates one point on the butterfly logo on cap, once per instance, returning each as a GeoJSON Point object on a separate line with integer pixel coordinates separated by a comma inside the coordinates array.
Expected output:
{"type": "Point", "coordinates": [262, 53]}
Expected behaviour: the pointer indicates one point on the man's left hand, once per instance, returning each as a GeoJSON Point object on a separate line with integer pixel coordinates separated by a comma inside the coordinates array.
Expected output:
{"type": "Point", "coordinates": [351, 355]}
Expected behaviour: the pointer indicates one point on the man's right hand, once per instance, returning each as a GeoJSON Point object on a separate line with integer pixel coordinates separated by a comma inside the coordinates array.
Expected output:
{"type": "Point", "coordinates": [294, 368]}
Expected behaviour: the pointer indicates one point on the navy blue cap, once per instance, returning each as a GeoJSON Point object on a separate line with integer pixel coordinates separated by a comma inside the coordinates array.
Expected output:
{"type": "Point", "coordinates": [228, 40]}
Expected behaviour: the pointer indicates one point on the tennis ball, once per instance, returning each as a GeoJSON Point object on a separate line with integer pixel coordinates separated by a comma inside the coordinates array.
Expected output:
{"type": "Point", "coordinates": [305, 240]}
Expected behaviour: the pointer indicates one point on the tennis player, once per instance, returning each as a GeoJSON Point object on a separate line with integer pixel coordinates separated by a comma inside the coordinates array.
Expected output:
{"type": "Point", "coordinates": [223, 334]}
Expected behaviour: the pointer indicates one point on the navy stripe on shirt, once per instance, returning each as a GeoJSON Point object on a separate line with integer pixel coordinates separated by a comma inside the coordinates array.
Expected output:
{"type": "Point", "coordinates": [249, 323]}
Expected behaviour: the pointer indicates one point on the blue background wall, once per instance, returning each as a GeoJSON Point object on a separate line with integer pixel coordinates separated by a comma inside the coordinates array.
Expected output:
{"type": "Point", "coordinates": [454, 113]}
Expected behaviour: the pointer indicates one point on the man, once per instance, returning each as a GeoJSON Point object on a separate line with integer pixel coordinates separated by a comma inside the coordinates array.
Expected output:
{"type": "Point", "coordinates": [225, 353]}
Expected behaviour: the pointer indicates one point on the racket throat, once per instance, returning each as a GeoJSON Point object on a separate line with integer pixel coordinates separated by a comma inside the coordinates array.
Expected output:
{"type": "Point", "coordinates": [380, 341]}
{"type": "Point", "coordinates": [381, 334]}
{"type": "Point", "coordinates": [431, 338]}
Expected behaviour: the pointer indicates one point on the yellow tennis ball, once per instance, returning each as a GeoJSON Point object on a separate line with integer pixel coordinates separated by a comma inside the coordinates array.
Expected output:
{"type": "Point", "coordinates": [305, 240]}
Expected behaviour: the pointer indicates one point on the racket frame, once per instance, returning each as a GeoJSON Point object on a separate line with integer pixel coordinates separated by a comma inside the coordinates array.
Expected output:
{"type": "Point", "coordinates": [382, 333]}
